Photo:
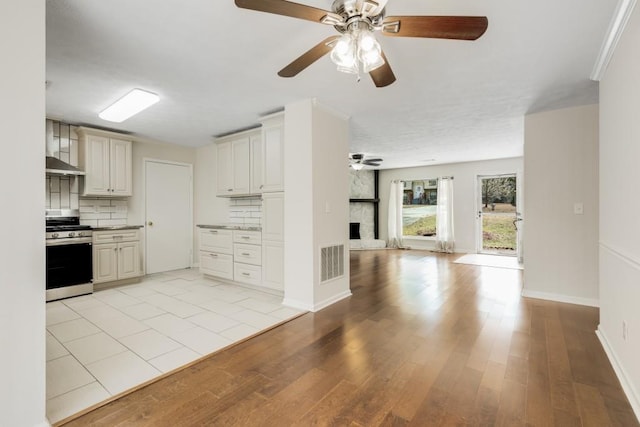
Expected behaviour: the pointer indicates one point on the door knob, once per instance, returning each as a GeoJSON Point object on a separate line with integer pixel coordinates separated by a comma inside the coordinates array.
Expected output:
{"type": "Point", "coordinates": [150, 223]}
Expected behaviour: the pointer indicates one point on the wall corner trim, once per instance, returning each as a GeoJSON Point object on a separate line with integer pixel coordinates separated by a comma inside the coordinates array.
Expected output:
{"type": "Point", "coordinates": [568, 299]}
{"type": "Point", "coordinates": [627, 386]}
{"type": "Point", "coordinates": [612, 37]}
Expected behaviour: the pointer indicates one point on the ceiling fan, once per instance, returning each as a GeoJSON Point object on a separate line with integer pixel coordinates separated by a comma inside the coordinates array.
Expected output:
{"type": "Point", "coordinates": [358, 161]}
{"type": "Point", "coordinates": [356, 49]}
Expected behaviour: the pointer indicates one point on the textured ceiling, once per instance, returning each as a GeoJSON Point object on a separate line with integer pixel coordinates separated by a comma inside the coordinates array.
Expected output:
{"type": "Point", "coordinates": [214, 66]}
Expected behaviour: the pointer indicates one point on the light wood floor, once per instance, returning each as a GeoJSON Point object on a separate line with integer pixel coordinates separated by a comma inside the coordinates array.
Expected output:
{"type": "Point", "coordinates": [422, 341]}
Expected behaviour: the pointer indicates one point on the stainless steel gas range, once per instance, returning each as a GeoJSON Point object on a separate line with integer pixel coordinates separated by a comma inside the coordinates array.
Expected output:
{"type": "Point", "coordinates": [69, 255]}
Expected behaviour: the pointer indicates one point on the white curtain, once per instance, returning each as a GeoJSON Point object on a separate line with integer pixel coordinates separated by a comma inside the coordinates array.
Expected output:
{"type": "Point", "coordinates": [444, 216]}
{"type": "Point", "coordinates": [396, 192]}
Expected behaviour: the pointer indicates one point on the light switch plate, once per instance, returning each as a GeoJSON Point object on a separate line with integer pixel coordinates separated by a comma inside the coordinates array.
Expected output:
{"type": "Point", "coordinates": [578, 208]}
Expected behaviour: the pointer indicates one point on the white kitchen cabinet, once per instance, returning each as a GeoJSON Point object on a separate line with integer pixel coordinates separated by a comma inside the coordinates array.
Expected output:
{"type": "Point", "coordinates": [105, 263]}
{"type": "Point", "coordinates": [273, 265]}
{"type": "Point", "coordinates": [106, 158]}
{"type": "Point", "coordinates": [216, 252]}
{"type": "Point", "coordinates": [216, 264]}
{"type": "Point", "coordinates": [247, 257]}
{"type": "Point", "coordinates": [224, 173]}
{"type": "Point", "coordinates": [256, 163]}
{"type": "Point", "coordinates": [273, 240]}
{"type": "Point", "coordinates": [116, 255]}
{"type": "Point", "coordinates": [216, 240]}
{"type": "Point", "coordinates": [235, 156]}
{"type": "Point", "coordinates": [273, 153]}
{"type": "Point", "coordinates": [273, 216]}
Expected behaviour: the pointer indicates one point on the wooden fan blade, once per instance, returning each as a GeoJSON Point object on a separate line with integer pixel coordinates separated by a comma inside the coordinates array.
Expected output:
{"type": "Point", "coordinates": [437, 27]}
{"type": "Point", "coordinates": [370, 164]}
{"type": "Point", "coordinates": [383, 75]}
{"type": "Point", "coordinates": [308, 58]}
{"type": "Point", "coordinates": [373, 160]}
{"type": "Point", "coordinates": [285, 8]}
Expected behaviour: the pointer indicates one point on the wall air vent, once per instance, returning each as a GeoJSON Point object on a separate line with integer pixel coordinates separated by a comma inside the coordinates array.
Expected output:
{"type": "Point", "coordinates": [331, 262]}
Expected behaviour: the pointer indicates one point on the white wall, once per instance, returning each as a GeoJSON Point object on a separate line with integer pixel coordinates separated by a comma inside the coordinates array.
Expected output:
{"type": "Point", "coordinates": [298, 206]}
{"type": "Point", "coordinates": [316, 202]}
{"type": "Point", "coordinates": [330, 197]}
{"type": "Point", "coordinates": [22, 273]}
{"type": "Point", "coordinates": [619, 282]}
{"type": "Point", "coordinates": [465, 184]}
{"type": "Point", "coordinates": [561, 169]}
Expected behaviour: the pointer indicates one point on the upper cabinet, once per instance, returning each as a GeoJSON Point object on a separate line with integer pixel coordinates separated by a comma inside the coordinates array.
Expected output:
{"type": "Point", "coordinates": [273, 153]}
{"type": "Point", "coordinates": [236, 164]}
{"type": "Point", "coordinates": [106, 158]}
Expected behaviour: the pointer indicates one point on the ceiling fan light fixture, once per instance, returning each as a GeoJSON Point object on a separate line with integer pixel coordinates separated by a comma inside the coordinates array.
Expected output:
{"type": "Point", "coordinates": [357, 50]}
{"type": "Point", "coordinates": [357, 166]}
{"type": "Point", "coordinates": [369, 51]}
{"type": "Point", "coordinates": [344, 56]}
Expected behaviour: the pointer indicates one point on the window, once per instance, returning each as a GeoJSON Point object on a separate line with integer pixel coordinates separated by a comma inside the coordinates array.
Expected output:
{"type": "Point", "coordinates": [419, 208]}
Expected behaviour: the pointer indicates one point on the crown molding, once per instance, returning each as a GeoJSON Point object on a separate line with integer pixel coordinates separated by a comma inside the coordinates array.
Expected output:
{"type": "Point", "coordinates": [614, 32]}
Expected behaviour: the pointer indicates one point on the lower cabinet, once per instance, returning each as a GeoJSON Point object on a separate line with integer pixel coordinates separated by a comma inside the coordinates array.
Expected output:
{"type": "Point", "coordinates": [216, 264]}
{"type": "Point", "coordinates": [273, 265]}
{"type": "Point", "coordinates": [232, 254]}
{"type": "Point", "coordinates": [116, 255]}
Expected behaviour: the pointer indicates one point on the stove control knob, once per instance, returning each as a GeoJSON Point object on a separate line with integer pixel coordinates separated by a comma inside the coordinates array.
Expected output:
{"type": "Point", "coordinates": [71, 234]}
{"type": "Point", "coordinates": [55, 235]}
{"type": "Point", "coordinates": [80, 234]}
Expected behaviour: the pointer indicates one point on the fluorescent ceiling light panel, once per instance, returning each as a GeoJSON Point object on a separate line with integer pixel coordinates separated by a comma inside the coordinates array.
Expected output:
{"type": "Point", "coordinates": [129, 105]}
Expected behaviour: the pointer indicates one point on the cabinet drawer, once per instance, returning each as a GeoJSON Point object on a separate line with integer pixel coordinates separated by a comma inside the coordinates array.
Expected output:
{"type": "Point", "coordinates": [115, 236]}
{"type": "Point", "coordinates": [216, 264]}
{"type": "Point", "coordinates": [248, 254]}
{"type": "Point", "coordinates": [251, 237]}
{"type": "Point", "coordinates": [249, 274]}
{"type": "Point", "coordinates": [214, 240]}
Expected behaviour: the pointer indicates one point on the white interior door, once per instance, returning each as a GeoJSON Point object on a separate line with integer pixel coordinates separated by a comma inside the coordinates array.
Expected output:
{"type": "Point", "coordinates": [169, 218]}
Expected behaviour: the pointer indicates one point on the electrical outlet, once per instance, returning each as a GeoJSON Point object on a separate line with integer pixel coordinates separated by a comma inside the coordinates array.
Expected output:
{"type": "Point", "coordinates": [625, 331]}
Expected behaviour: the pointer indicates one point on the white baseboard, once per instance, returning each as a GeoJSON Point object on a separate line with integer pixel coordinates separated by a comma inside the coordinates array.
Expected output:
{"type": "Point", "coordinates": [627, 386]}
{"type": "Point", "coordinates": [332, 300]}
{"type": "Point", "coordinates": [298, 305]}
{"type": "Point", "coordinates": [316, 307]}
{"type": "Point", "coordinates": [45, 423]}
{"type": "Point", "coordinates": [590, 302]}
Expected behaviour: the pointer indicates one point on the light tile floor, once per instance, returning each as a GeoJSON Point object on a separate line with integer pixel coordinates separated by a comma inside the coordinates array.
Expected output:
{"type": "Point", "coordinates": [103, 344]}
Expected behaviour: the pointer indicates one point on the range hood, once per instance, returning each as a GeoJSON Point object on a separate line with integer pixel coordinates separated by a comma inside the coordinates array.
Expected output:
{"type": "Point", "coordinates": [53, 165]}
{"type": "Point", "coordinates": [58, 167]}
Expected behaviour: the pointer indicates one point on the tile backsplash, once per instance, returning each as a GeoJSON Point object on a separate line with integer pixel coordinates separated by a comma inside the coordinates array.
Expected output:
{"type": "Point", "coordinates": [63, 192]}
{"type": "Point", "coordinates": [245, 210]}
{"type": "Point", "coordinates": [103, 212]}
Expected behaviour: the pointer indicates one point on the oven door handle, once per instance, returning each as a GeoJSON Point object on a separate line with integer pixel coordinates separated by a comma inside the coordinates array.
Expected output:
{"type": "Point", "coordinates": [64, 242]}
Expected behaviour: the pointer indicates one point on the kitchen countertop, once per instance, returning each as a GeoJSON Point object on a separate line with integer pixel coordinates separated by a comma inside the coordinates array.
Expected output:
{"type": "Point", "coordinates": [231, 227]}
{"type": "Point", "coordinates": [117, 227]}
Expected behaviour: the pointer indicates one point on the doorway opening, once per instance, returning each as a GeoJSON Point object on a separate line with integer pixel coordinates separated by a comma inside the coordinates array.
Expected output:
{"type": "Point", "coordinates": [498, 215]}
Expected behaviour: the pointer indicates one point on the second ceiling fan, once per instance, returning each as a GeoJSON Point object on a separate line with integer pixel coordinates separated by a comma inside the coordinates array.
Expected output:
{"type": "Point", "coordinates": [356, 49]}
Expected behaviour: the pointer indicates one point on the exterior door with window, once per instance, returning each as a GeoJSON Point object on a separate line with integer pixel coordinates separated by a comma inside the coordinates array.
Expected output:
{"type": "Point", "coordinates": [497, 215]}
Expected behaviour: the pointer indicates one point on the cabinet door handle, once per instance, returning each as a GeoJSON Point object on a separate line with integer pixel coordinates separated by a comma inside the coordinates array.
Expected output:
{"type": "Point", "coordinates": [245, 237]}
{"type": "Point", "coordinates": [246, 254]}
{"type": "Point", "coordinates": [261, 187]}
{"type": "Point", "coordinates": [213, 231]}
{"type": "Point", "coordinates": [213, 255]}
{"type": "Point", "coordinates": [229, 189]}
{"type": "Point", "coordinates": [246, 274]}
